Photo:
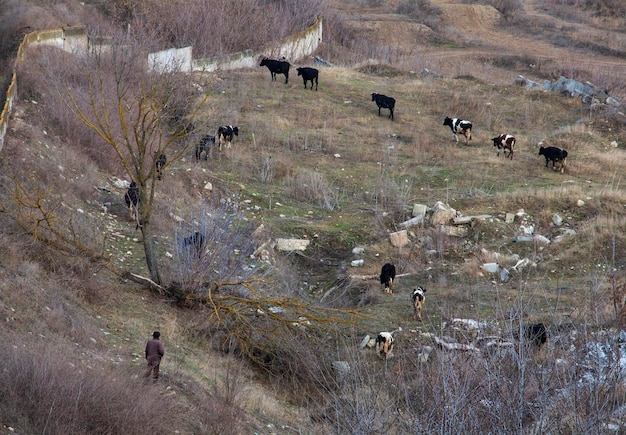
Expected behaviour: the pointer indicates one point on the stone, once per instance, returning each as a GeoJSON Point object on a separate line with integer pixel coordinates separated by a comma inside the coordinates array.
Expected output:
{"type": "Point", "coordinates": [490, 267]}
{"type": "Point", "coordinates": [292, 244]}
{"type": "Point", "coordinates": [504, 274]}
{"type": "Point", "coordinates": [412, 222]}
{"type": "Point", "coordinates": [453, 231]}
{"type": "Point", "coordinates": [419, 210]}
{"type": "Point", "coordinates": [442, 214]}
{"type": "Point", "coordinates": [399, 238]}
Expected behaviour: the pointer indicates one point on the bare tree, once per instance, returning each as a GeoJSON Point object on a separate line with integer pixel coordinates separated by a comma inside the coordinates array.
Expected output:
{"type": "Point", "coordinates": [131, 110]}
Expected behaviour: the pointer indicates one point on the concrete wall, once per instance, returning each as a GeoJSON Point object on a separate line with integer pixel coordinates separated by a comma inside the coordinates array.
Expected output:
{"type": "Point", "coordinates": [172, 60]}
{"type": "Point", "coordinates": [75, 40]}
{"type": "Point", "coordinates": [296, 46]}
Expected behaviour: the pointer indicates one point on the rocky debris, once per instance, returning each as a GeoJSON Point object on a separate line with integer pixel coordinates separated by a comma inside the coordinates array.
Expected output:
{"type": "Point", "coordinates": [399, 238]}
{"type": "Point", "coordinates": [318, 61]}
{"type": "Point", "coordinates": [440, 214]}
{"type": "Point", "coordinates": [587, 92]}
{"type": "Point", "coordinates": [358, 251]}
{"type": "Point", "coordinates": [445, 220]}
{"type": "Point", "coordinates": [446, 345]}
{"type": "Point", "coordinates": [292, 244]}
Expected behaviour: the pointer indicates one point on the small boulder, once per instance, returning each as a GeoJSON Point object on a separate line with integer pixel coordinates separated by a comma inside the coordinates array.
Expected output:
{"type": "Point", "coordinates": [399, 238]}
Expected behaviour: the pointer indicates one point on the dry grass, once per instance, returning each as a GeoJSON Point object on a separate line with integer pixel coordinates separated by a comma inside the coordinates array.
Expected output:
{"type": "Point", "coordinates": [324, 166]}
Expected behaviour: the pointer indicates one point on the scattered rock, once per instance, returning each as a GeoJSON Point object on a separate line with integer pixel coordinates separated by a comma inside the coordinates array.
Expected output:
{"type": "Point", "coordinates": [453, 231]}
{"type": "Point", "coordinates": [292, 244]}
{"type": "Point", "coordinates": [364, 342]}
{"type": "Point", "coordinates": [399, 238]}
{"type": "Point", "coordinates": [419, 210]}
{"type": "Point", "coordinates": [412, 222]}
{"type": "Point", "coordinates": [490, 267]}
{"type": "Point", "coordinates": [424, 353]}
{"type": "Point", "coordinates": [442, 214]}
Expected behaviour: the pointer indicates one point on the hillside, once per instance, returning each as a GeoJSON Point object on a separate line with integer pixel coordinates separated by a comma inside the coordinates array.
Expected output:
{"type": "Point", "coordinates": [323, 166]}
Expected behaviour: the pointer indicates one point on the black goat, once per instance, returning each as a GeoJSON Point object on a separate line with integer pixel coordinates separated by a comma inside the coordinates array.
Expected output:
{"type": "Point", "coordinates": [308, 74]}
{"type": "Point", "coordinates": [555, 155]}
{"type": "Point", "coordinates": [204, 146]}
{"type": "Point", "coordinates": [159, 163]}
{"type": "Point", "coordinates": [276, 67]}
{"type": "Point", "coordinates": [387, 275]}
{"type": "Point", "coordinates": [131, 197]}
{"type": "Point", "coordinates": [196, 241]}
{"type": "Point", "coordinates": [384, 102]}
{"type": "Point", "coordinates": [536, 333]}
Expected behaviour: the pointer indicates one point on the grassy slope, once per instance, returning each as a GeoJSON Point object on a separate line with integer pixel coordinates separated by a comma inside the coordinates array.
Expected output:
{"type": "Point", "coordinates": [382, 168]}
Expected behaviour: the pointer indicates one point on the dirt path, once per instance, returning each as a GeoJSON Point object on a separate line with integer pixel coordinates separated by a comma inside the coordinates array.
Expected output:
{"type": "Point", "coordinates": [483, 33]}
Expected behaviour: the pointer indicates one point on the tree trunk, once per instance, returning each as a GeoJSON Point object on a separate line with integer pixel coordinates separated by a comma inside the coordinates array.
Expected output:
{"type": "Point", "coordinates": [148, 247]}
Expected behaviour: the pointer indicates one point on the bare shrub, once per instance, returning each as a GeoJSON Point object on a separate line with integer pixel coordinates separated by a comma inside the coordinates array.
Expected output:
{"type": "Point", "coordinates": [45, 392]}
{"type": "Point", "coordinates": [221, 252]}
{"type": "Point", "coordinates": [266, 170]}
{"type": "Point", "coordinates": [508, 8]}
{"type": "Point", "coordinates": [217, 26]}
{"type": "Point", "coordinates": [13, 26]}
{"type": "Point", "coordinates": [423, 11]}
{"type": "Point", "coordinates": [600, 8]}
{"type": "Point", "coordinates": [310, 185]}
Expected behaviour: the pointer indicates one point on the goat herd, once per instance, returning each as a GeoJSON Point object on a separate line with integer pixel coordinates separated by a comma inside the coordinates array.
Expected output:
{"type": "Point", "coordinates": [225, 134]}
{"type": "Point", "coordinates": [384, 340]}
{"type": "Point", "coordinates": [504, 142]}
{"type": "Point", "coordinates": [535, 333]}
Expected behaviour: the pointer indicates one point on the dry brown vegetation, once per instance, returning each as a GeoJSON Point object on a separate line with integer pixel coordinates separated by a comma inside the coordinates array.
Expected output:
{"type": "Point", "coordinates": [251, 335]}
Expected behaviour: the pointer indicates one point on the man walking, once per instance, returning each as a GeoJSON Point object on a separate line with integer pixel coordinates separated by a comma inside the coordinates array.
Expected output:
{"type": "Point", "coordinates": [154, 353]}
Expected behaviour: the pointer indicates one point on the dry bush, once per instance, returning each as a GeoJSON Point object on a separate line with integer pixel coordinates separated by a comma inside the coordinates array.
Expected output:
{"type": "Point", "coordinates": [500, 391]}
{"type": "Point", "coordinates": [508, 8]}
{"type": "Point", "coordinates": [222, 256]}
{"type": "Point", "coordinates": [215, 27]}
{"type": "Point", "coordinates": [38, 75]}
{"type": "Point", "coordinates": [571, 9]}
{"type": "Point", "coordinates": [310, 186]}
{"type": "Point", "coordinates": [291, 340]}
{"type": "Point", "coordinates": [13, 26]}
{"type": "Point", "coordinates": [422, 11]}
{"type": "Point", "coordinates": [45, 391]}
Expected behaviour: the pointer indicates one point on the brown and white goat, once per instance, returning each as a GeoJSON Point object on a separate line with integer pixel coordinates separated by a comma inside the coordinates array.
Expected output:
{"type": "Point", "coordinates": [504, 142]}
{"type": "Point", "coordinates": [418, 297]}
{"type": "Point", "coordinates": [384, 344]}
